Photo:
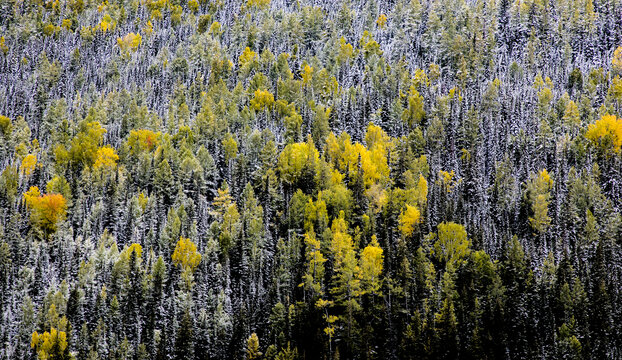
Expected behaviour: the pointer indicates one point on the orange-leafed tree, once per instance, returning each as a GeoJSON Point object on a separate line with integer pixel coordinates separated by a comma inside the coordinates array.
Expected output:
{"type": "Point", "coordinates": [46, 210]}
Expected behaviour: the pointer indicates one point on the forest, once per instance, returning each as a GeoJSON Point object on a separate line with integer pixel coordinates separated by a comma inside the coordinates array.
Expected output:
{"type": "Point", "coordinates": [310, 179]}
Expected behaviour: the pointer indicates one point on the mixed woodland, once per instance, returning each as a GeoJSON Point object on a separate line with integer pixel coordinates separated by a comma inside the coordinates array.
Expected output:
{"type": "Point", "coordinates": [311, 179]}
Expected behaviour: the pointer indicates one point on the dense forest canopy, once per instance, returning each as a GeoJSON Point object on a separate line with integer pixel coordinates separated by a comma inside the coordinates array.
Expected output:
{"type": "Point", "coordinates": [312, 179]}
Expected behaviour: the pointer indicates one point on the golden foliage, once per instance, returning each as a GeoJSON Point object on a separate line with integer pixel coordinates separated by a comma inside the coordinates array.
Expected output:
{"type": "Point", "coordinates": [129, 42]}
{"type": "Point", "coordinates": [572, 117]}
{"type": "Point", "coordinates": [447, 180]}
{"type": "Point", "coordinates": [45, 210]}
{"type": "Point", "coordinates": [408, 220]}
{"type": "Point", "coordinates": [420, 79]}
{"type": "Point", "coordinates": [616, 60]}
{"type": "Point", "coordinates": [49, 345]}
{"type": "Point", "coordinates": [263, 99]}
{"type": "Point", "coordinates": [346, 51]}
{"type": "Point", "coordinates": [306, 73]}
{"type": "Point", "coordinates": [382, 21]}
{"type": "Point", "coordinates": [5, 125]}
{"type": "Point", "coordinates": [615, 90]}
{"type": "Point", "coordinates": [314, 275]}
{"type": "Point", "coordinates": [369, 46]}
{"type": "Point", "coordinates": [186, 254]}
{"type": "Point", "coordinates": [297, 158]}
{"type": "Point", "coordinates": [106, 24]}
{"type": "Point", "coordinates": [193, 5]}
{"type": "Point", "coordinates": [156, 14]}
{"type": "Point", "coordinates": [417, 194]}
{"type": "Point", "coordinates": [346, 279]}
{"type": "Point", "coordinates": [49, 29]}
{"type": "Point", "coordinates": [215, 29]}
{"type": "Point", "coordinates": [66, 24]}
{"type": "Point", "coordinates": [176, 11]}
{"type": "Point", "coordinates": [148, 28]}
{"type": "Point", "coordinates": [252, 348]}
{"type": "Point", "coordinates": [83, 146]}
{"type": "Point", "coordinates": [452, 244]}
{"type": "Point", "coordinates": [143, 140]}
{"type": "Point", "coordinates": [538, 190]}
{"type": "Point", "coordinates": [3, 47]}
{"type": "Point", "coordinates": [373, 160]}
{"type": "Point", "coordinates": [247, 57]}
{"type": "Point", "coordinates": [76, 5]}
{"type": "Point", "coordinates": [230, 147]}
{"type": "Point", "coordinates": [376, 137]}
{"type": "Point", "coordinates": [136, 248]}
{"type": "Point", "coordinates": [414, 113]}
{"type": "Point", "coordinates": [544, 180]}
{"type": "Point", "coordinates": [106, 158]}
{"type": "Point", "coordinates": [259, 4]}
{"type": "Point", "coordinates": [606, 134]}
{"type": "Point", "coordinates": [371, 265]}
{"type": "Point", "coordinates": [341, 242]}
{"type": "Point", "coordinates": [28, 164]}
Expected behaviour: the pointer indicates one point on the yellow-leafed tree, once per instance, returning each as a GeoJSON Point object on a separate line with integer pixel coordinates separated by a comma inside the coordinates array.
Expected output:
{"type": "Point", "coordinates": [227, 226]}
{"type": "Point", "coordinates": [247, 61]}
{"type": "Point", "coordinates": [297, 160]}
{"type": "Point", "coordinates": [408, 220]}
{"type": "Point", "coordinates": [186, 254]}
{"type": "Point", "coordinates": [538, 192]}
{"type": "Point", "coordinates": [3, 47]}
{"type": "Point", "coordinates": [143, 140]}
{"type": "Point", "coordinates": [414, 113]}
{"type": "Point", "coordinates": [314, 275]}
{"type": "Point", "coordinates": [252, 347]}
{"type": "Point", "coordinates": [28, 164]}
{"type": "Point", "coordinates": [382, 21]}
{"type": "Point", "coordinates": [84, 145]}
{"type": "Point", "coordinates": [129, 42]}
{"type": "Point", "coordinates": [106, 158]}
{"type": "Point", "coordinates": [346, 51]}
{"type": "Point", "coordinates": [606, 134]}
{"type": "Point", "coordinates": [371, 264]}
{"type": "Point", "coordinates": [106, 24]}
{"type": "Point", "coordinates": [306, 73]}
{"type": "Point", "coordinates": [6, 126]}
{"type": "Point", "coordinates": [616, 61]}
{"type": "Point", "coordinates": [258, 4]}
{"type": "Point", "coordinates": [50, 345]}
{"type": "Point", "coordinates": [372, 159]}
{"type": "Point", "coordinates": [262, 100]}
{"type": "Point", "coordinates": [346, 279]}
{"type": "Point", "coordinates": [230, 146]}
{"type": "Point", "coordinates": [451, 243]}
